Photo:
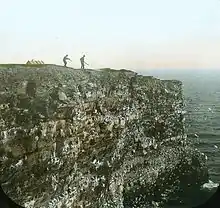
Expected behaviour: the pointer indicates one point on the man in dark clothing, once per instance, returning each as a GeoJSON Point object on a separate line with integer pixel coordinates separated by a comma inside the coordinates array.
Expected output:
{"type": "Point", "coordinates": [82, 60]}
{"type": "Point", "coordinates": [65, 58]}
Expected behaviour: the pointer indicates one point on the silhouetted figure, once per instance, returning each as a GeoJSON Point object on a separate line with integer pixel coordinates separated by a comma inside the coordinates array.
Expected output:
{"type": "Point", "coordinates": [82, 60]}
{"type": "Point", "coordinates": [65, 58]}
{"type": "Point", "coordinates": [6, 202]}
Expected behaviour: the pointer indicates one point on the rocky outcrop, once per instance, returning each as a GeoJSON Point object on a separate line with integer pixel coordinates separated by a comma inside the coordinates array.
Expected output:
{"type": "Point", "coordinates": [34, 62]}
{"type": "Point", "coordinates": [93, 138]}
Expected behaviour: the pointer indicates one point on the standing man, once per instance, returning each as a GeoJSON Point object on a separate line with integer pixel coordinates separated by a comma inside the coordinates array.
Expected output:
{"type": "Point", "coordinates": [82, 60]}
{"type": "Point", "coordinates": [65, 58]}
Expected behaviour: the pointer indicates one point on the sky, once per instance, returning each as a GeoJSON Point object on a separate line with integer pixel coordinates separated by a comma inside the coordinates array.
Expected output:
{"type": "Point", "coordinates": [118, 34]}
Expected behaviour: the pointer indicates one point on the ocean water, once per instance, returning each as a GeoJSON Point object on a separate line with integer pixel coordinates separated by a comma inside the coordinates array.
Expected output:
{"type": "Point", "coordinates": [201, 90]}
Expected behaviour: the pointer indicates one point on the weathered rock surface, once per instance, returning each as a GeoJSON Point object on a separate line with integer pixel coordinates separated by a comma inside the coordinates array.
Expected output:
{"type": "Point", "coordinates": [87, 138]}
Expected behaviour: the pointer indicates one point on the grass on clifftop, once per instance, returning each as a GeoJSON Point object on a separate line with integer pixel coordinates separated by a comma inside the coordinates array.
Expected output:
{"type": "Point", "coordinates": [43, 65]}
{"type": "Point", "coordinates": [23, 65]}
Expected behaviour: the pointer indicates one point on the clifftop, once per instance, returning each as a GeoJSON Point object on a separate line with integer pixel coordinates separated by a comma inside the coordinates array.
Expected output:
{"type": "Point", "coordinates": [95, 138]}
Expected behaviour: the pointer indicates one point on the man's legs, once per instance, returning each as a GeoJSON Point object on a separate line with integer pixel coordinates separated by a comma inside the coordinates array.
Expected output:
{"type": "Point", "coordinates": [65, 63]}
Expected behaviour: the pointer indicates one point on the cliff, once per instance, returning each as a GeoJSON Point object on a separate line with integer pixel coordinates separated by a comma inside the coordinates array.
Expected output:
{"type": "Point", "coordinates": [93, 138]}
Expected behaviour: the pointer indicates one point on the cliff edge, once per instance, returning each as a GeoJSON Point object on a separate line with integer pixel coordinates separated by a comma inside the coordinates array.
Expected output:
{"type": "Point", "coordinates": [93, 138]}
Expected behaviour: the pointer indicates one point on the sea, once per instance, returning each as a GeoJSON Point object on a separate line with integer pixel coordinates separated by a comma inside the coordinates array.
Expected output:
{"type": "Point", "coordinates": [201, 91]}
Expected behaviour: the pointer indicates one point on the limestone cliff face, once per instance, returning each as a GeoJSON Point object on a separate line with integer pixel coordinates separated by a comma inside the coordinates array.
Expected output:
{"type": "Point", "coordinates": [87, 138]}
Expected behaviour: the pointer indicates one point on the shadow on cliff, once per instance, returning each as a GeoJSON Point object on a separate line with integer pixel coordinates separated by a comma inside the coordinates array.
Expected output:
{"type": "Point", "coordinates": [213, 201]}
{"type": "Point", "coordinates": [200, 199]}
{"type": "Point", "coordinates": [6, 202]}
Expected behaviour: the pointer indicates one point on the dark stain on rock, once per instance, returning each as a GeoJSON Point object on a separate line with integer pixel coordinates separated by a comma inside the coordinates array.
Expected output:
{"type": "Point", "coordinates": [31, 88]}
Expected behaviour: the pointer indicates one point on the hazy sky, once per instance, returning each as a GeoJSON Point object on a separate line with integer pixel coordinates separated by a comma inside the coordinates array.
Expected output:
{"type": "Point", "coordinates": [130, 34]}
